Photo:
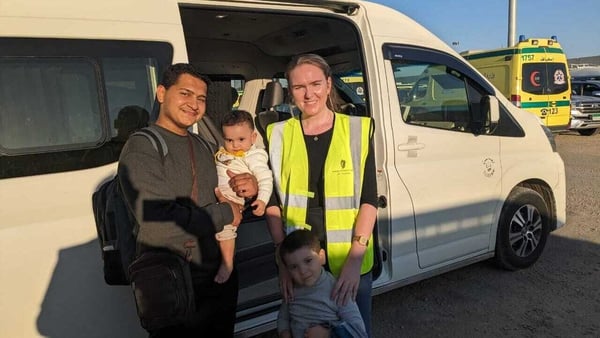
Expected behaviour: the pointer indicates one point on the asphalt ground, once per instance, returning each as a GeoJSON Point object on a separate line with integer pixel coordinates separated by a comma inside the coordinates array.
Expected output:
{"type": "Point", "coordinates": [559, 296]}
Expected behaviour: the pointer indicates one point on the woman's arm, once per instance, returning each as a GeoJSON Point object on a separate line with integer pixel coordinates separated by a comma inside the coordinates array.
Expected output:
{"type": "Point", "coordinates": [347, 284]}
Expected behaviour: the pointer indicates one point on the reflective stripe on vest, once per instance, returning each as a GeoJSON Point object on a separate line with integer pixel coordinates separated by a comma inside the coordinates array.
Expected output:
{"type": "Point", "coordinates": [343, 176]}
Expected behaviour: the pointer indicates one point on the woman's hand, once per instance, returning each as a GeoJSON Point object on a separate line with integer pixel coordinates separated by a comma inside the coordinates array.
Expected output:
{"type": "Point", "coordinates": [286, 285]}
{"type": "Point", "coordinates": [347, 284]}
{"type": "Point", "coordinates": [346, 287]}
{"type": "Point", "coordinates": [244, 184]}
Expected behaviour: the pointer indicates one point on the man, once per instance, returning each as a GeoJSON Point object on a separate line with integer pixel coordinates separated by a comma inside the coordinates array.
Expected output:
{"type": "Point", "coordinates": [177, 205]}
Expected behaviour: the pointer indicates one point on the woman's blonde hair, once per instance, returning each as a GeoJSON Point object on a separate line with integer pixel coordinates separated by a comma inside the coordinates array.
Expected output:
{"type": "Point", "coordinates": [333, 100]}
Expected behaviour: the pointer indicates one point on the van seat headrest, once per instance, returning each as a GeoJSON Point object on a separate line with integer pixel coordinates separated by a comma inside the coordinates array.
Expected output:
{"type": "Point", "coordinates": [273, 95]}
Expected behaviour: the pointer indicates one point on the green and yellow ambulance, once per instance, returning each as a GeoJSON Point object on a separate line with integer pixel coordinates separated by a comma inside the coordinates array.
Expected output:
{"type": "Point", "coordinates": [533, 74]}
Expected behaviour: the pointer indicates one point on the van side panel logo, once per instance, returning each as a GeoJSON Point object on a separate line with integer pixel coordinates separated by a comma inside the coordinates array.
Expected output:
{"type": "Point", "coordinates": [489, 167]}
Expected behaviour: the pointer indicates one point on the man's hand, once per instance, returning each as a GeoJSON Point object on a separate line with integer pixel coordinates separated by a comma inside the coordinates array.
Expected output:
{"type": "Point", "coordinates": [244, 184]}
{"type": "Point", "coordinates": [236, 209]}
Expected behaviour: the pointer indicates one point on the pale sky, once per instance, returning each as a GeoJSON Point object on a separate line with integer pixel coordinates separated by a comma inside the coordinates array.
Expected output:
{"type": "Point", "coordinates": [483, 24]}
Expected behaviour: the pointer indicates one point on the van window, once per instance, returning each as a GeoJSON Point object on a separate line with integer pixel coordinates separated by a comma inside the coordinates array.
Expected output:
{"type": "Point", "coordinates": [48, 103]}
{"type": "Point", "coordinates": [544, 78]}
{"type": "Point", "coordinates": [128, 82]}
{"type": "Point", "coordinates": [238, 86]}
{"type": "Point", "coordinates": [355, 81]}
{"type": "Point", "coordinates": [71, 104]}
{"type": "Point", "coordinates": [433, 95]}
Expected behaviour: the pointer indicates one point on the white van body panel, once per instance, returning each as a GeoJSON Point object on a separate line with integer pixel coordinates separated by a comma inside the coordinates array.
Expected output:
{"type": "Point", "coordinates": [44, 217]}
{"type": "Point", "coordinates": [153, 20]}
{"type": "Point", "coordinates": [50, 265]}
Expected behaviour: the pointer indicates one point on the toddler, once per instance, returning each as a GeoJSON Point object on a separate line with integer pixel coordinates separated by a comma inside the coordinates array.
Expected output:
{"type": "Point", "coordinates": [302, 255]}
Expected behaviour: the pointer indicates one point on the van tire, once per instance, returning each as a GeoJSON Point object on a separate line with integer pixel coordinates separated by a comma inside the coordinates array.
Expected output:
{"type": "Point", "coordinates": [519, 246]}
{"type": "Point", "coordinates": [587, 132]}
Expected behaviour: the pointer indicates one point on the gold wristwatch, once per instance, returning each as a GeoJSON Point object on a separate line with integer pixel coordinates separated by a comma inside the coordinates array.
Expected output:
{"type": "Point", "coordinates": [362, 240]}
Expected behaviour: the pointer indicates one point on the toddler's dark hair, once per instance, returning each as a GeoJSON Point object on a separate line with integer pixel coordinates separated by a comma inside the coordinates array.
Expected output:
{"type": "Point", "coordinates": [297, 240]}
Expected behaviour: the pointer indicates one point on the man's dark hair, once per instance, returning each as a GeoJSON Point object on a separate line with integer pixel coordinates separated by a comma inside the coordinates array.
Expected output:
{"type": "Point", "coordinates": [236, 117]}
{"type": "Point", "coordinates": [173, 72]}
{"type": "Point", "coordinates": [297, 240]}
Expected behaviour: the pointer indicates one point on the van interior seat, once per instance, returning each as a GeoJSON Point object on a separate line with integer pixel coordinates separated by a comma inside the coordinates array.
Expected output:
{"type": "Point", "coordinates": [220, 100]}
{"type": "Point", "coordinates": [208, 129]}
{"type": "Point", "coordinates": [273, 96]}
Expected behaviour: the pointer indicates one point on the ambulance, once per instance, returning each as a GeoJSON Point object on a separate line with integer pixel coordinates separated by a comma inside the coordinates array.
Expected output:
{"type": "Point", "coordinates": [533, 75]}
{"type": "Point", "coordinates": [463, 175]}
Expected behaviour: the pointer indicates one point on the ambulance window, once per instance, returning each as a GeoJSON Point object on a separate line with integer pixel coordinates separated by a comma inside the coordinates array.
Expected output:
{"type": "Point", "coordinates": [544, 78]}
{"type": "Point", "coordinates": [433, 95]}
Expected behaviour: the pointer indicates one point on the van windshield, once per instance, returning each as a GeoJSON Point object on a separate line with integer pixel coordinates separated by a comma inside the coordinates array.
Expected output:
{"type": "Point", "coordinates": [544, 78]}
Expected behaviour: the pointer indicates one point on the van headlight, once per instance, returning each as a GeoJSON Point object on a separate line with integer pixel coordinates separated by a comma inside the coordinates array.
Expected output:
{"type": "Point", "coordinates": [550, 137]}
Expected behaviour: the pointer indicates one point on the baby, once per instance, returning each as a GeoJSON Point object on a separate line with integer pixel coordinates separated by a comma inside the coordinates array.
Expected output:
{"type": "Point", "coordinates": [239, 155]}
{"type": "Point", "coordinates": [312, 308]}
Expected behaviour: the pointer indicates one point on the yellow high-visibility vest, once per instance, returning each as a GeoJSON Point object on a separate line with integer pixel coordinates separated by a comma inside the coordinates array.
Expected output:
{"type": "Point", "coordinates": [343, 174]}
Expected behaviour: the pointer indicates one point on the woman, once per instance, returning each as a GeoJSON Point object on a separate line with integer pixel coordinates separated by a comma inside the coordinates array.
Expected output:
{"type": "Point", "coordinates": [324, 172]}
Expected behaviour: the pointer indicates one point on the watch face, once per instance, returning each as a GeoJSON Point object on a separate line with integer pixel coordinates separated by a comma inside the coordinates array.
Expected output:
{"type": "Point", "coordinates": [362, 240]}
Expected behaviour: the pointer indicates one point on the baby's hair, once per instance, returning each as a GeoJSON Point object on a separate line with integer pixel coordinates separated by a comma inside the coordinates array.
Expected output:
{"type": "Point", "coordinates": [236, 117]}
{"type": "Point", "coordinates": [298, 240]}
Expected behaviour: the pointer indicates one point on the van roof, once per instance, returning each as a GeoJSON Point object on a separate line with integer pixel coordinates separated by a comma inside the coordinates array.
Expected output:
{"type": "Point", "coordinates": [382, 21]}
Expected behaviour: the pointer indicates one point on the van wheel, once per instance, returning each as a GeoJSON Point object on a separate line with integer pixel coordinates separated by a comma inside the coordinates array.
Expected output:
{"type": "Point", "coordinates": [523, 229]}
{"type": "Point", "coordinates": [587, 132]}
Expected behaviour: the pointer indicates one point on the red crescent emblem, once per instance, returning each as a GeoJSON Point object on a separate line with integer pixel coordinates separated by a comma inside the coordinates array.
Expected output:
{"type": "Point", "coordinates": [533, 80]}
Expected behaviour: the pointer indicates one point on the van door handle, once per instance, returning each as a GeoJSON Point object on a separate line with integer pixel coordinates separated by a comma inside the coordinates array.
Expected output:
{"type": "Point", "coordinates": [411, 144]}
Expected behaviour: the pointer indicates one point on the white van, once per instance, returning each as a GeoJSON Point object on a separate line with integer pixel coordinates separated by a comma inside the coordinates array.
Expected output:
{"type": "Point", "coordinates": [462, 174]}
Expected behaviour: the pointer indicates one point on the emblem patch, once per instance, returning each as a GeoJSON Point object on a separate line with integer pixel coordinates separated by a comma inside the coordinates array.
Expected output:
{"type": "Point", "coordinates": [488, 167]}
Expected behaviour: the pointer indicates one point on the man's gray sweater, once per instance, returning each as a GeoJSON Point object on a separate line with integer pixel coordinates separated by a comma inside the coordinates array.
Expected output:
{"type": "Point", "coordinates": [159, 189]}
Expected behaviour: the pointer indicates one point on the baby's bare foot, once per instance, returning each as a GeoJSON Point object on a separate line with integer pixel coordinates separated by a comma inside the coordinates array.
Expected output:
{"type": "Point", "coordinates": [223, 274]}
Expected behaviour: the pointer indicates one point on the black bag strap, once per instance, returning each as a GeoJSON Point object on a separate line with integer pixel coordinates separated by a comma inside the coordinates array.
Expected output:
{"type": "Point", "coordinates": [158, 142]}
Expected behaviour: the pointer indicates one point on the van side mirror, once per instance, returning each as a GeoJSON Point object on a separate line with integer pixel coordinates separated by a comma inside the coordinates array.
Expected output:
{"type": "Point", "coordinates": [488, 116]}
{"type": "Point", "coordinates": [494, 110]}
